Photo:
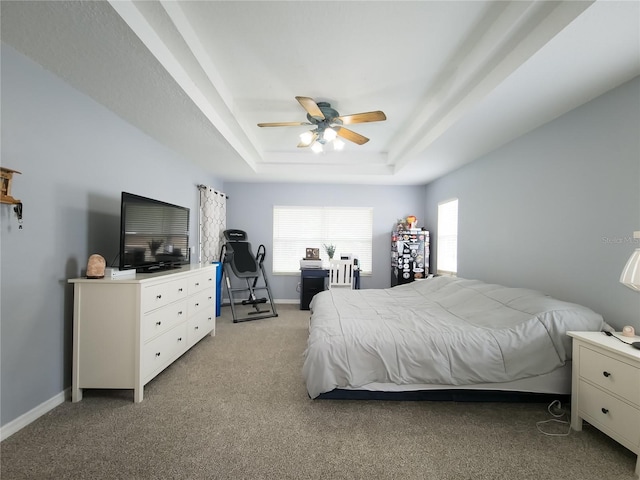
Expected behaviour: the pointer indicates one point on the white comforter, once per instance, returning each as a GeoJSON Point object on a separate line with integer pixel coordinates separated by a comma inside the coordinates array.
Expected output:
{"type": "Point", "coordinates": [442, 330]}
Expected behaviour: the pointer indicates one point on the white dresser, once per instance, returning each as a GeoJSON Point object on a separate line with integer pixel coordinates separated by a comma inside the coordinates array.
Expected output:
{"type": "Point", "coordinates": [125, 332]}
{"type": "Point", "coordinates": [606, 387]}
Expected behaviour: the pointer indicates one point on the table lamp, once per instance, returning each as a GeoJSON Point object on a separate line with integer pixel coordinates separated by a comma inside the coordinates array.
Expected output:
{"type": "Point", "coordinates": [631, 272]}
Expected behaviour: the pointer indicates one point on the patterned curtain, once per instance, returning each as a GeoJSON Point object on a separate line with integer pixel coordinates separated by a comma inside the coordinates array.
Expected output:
{"type": "Point", "coordinates": [213, 221]}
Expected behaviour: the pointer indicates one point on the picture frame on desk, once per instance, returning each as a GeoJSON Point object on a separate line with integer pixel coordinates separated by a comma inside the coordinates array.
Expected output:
{"type": "Point", "coordinates": [312, 254]}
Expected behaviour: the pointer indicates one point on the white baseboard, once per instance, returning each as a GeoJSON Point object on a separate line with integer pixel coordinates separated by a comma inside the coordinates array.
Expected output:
{"type": "Point", "coordinates": [32, 415]}
{"type": "Point", "coordinates": [288, 301]}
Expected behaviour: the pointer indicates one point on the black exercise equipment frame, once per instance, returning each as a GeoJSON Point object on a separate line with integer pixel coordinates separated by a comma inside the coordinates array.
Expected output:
{"type": "Point", "coordinates": [252, 283]}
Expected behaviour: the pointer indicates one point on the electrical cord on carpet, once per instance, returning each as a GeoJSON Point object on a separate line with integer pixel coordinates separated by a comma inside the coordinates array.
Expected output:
{"type": "Point", "coordinates": [556, 411]}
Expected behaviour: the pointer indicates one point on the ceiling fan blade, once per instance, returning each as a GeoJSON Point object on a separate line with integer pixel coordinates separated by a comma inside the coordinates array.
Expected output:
{"type": "Point", "coordinates": [306, 144]}
{"type": "Point", "coordinates": [376, 116]}
{"type": "Point", "coordinates": [351, 136]}
{"type": "Point", "coordinates": [283, 124]}
{"type": "Point", "coordinates": [310, 105]}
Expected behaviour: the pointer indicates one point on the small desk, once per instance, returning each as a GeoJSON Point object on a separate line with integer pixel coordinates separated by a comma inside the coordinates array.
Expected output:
{"type": "Point", "coordinates": [312, 281]}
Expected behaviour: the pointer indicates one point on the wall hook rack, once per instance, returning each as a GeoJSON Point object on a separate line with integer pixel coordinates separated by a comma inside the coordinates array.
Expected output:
{"type": "Point", "coordinates": [18, 209]}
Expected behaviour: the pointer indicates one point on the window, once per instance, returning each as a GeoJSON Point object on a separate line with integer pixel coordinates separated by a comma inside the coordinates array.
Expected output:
{"type": "Point", "coordinates": [447, 246]}
{"type": "Point", "coordinates": [296, 228]}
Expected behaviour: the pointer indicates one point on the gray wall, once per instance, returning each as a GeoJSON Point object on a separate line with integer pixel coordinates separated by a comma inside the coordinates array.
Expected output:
{"type": "Point", "coordinates": [250, 208]}
{"type": "Point", "coordinates": [75, 158]}
{"type": "Point", "coordinates": [555, 210]}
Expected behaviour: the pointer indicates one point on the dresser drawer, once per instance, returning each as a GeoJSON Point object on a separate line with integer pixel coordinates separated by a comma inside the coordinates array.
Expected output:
{"type": "Point", "coordinates": [162, 319]}
{"type": "Point", "coordinates": [611, 374]}
{"type": "Point", "coordinates": [202, 281]}
{"type": "Point", "coordinates": [203, 301]}
{"type": "Point", "coordinates": [609, 413]}
{"type": "Point", "coordinates": [161, 294]}
{"type": "Point", "coordinates": [161, 351]}
{"type": "Point", "coordinates": [199, 326]}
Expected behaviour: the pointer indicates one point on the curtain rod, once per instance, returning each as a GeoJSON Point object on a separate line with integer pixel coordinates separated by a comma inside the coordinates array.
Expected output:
{"type": "Point", "coordinates": [201, 186]}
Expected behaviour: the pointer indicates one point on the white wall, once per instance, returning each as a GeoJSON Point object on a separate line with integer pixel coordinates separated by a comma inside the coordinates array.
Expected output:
{"type": "Point", "coordinates": [75, 157]}
{"type": "Point", "coordinates": [250, 208]}
{"type": "Point", "coordinates": [555, 210]}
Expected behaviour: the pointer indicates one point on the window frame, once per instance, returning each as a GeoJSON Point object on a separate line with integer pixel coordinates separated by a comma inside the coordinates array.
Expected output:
{"type": "Point", "coordinates": [447, 240]}
{"type": "Point", "coordinates": [322, 230]}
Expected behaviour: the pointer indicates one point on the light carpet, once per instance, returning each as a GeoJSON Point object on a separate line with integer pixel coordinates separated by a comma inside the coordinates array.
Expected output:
{"type": "Point", "coordinates": [235, 407]}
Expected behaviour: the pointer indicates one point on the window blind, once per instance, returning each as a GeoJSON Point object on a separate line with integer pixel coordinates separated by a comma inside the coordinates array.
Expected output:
{"type": "Point", "coordinates": [297, 228]}
{"type": "Point", "coordinates": [447, 246]}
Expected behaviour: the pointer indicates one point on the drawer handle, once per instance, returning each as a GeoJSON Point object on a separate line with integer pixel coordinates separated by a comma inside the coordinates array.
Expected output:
{"type": "Point", "coordinates": [197, 328]}
{"type": "Point", "coordinates": [606, 374]}
{"type": "Point", "coordinates": [604, 410]}
{"type": "Point", "coordinates": [197, 304]}
{"type": "Point", "coordinates": [197, 284]}
{"type": "Point", "coordinates": [180, 312]}
{"type": "Point", "coordinates": [157, 354]}
{"type": "Point", "coordinates": [158, 323]}
{"type": "Point", "coordinates": [210, 298]}
{"type": "Point", "coordinates": [158, 297]}
{"type": "Point", "coordinates": [179, 339]}
{"type": "Point", "coordinates": [179, 289]}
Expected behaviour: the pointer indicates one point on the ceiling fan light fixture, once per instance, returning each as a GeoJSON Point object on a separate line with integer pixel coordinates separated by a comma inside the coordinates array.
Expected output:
{"type": "Point", "coordinates": [338, 144]}
{"type": "Point", "coordinates": [306, 137]}
{"type": "Point", "coordinates": [328, 123]}
{"type": "Point", "coordinates": [330, 134]}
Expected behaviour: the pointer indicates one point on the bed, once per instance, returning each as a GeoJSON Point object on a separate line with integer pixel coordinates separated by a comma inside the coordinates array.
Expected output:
{"type": "Point", "coordinates": [441, 334]}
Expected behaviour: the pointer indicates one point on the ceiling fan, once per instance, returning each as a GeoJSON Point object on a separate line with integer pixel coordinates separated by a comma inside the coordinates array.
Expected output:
{"type": "Point", "coordinates": [328, 125]}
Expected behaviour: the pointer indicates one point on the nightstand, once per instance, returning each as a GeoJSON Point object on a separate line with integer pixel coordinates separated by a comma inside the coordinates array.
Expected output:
{"type": "Point", "coordinates": [606, 387]}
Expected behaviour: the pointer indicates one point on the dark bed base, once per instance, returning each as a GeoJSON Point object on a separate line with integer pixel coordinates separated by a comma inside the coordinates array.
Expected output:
{"type": "Point", "coordinates": [446, 395]}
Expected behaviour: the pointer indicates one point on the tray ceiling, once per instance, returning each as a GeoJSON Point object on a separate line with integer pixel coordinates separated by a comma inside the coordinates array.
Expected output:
{"type": "Point", "coordinates": [455, 79]}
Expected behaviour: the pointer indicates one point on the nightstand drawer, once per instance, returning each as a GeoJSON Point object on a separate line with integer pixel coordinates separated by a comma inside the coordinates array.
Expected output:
{"type": "Point", "coordinates": [609, 413]}
{"type": "Point", "coordinates": [611, 374]}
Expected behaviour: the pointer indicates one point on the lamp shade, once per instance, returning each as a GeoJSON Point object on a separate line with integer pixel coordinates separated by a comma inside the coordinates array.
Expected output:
{"type": "Point", "coordinates": [631, 273]}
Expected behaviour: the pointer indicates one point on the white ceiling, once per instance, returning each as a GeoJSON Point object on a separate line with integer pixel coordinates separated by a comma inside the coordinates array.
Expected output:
{"type": "Point", "coordinates": [455, 79]}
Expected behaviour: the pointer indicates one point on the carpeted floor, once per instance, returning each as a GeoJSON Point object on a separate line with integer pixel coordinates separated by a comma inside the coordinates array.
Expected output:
{"type": "Point", "coordinates": [235, 407]}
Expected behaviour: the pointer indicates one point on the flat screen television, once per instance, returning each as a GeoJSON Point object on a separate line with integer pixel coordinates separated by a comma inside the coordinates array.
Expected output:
{"type": "Point", "coordinates": [153, 234]}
